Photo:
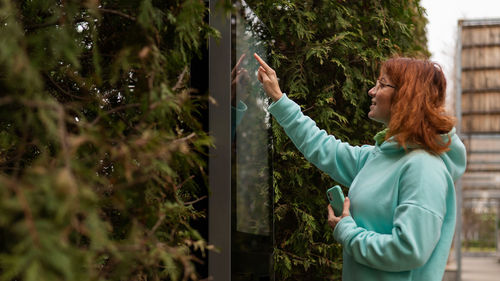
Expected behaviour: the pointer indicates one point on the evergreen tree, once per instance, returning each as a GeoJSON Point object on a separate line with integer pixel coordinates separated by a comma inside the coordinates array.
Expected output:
{"type": "Point", "coordinates": [102, 152]}
{"type": "Point", "coordinates": [327, 56]}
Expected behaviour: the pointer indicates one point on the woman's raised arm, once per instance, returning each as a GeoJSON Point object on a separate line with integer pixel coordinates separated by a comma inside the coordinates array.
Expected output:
{"type": "Point", "coordinates": [338, 159]}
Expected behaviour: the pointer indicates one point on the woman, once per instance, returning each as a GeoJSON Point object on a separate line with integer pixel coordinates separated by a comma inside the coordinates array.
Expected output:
{"type": "Point", "coordinates": [399, 217]}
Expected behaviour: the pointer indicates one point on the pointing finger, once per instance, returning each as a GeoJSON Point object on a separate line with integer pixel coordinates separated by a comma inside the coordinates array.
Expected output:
{"type": "Point", "coordinates": [240, 60]}
{"type": "Point", "coordinates": [262, 62]}
{"type": "Point", "coordinates": [235, 68]}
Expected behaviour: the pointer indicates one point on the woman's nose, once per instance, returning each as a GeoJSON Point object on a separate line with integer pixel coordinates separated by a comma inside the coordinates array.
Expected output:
{"type": "Point", "coordinates": [372, 92]}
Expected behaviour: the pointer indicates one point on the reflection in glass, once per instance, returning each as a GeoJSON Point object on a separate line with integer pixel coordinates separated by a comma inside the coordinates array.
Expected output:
{"type": "Point", "coordinates": [251, 169]}
{"type": "Point", "coordinates": [251, 132]}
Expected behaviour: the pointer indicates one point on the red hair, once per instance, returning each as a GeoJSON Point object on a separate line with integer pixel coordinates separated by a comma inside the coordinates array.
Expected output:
{"type": "Point", "coordinates": [418, 115]}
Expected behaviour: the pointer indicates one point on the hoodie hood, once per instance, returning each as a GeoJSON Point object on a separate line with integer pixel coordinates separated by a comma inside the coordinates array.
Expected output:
{"type": "Point", "coordinates": [455, 159]}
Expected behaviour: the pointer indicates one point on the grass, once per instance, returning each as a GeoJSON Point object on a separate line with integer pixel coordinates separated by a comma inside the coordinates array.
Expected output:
{"type": "Point", "coordinates": [478, 249]}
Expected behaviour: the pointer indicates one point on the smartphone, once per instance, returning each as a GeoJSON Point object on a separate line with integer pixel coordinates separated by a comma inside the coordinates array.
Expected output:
{"type": "Point", "coordinates": [336, 198]}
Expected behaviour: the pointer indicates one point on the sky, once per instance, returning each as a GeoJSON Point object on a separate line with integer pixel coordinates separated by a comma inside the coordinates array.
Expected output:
{"type": "Point", "coordinates": [443, 16]}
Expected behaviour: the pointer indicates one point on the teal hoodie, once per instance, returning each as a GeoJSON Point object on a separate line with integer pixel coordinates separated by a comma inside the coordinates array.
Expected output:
{"type": "Point", "coordinates": [403, 206]}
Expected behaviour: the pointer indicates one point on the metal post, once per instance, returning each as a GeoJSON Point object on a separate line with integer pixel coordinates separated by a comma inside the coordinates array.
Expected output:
{"type": "Point", "coordinates": [219, 208]}
{"type": "Point", "coordinates": [496, 205]}
{"type": "Point", "coordinates": [458, 184]}
{"type": "Point", "coordinates": [497, 209]}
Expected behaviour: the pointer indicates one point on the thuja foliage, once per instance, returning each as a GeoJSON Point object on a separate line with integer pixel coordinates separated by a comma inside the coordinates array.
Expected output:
{"type": "Point", "coordinates": [101, 145]}
{"type": "Point", "coordinates": [327, 56]}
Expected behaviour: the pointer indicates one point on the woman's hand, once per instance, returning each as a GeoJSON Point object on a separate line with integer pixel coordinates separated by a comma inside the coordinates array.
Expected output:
{"type": "Point", "coordinates": [267, 76]}
{"type": "Point", "coordinates": [332, 219]}
{"type": "Point", "coordinates": [240, 79]}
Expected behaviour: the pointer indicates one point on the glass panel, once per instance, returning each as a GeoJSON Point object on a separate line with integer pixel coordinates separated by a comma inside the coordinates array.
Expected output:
{"type": "Point", "coordinates": [252, 132]}
{"type": "Point", "coordinates": [251, 140]}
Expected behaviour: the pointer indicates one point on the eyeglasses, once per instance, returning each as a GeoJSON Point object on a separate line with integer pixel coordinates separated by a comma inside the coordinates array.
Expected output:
{"type": "Point", "coordinates": [381, 85]}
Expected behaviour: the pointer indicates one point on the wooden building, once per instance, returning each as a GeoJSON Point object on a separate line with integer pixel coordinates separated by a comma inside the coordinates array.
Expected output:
{"type": "Point", "coordinates": [478, 113]}
{"type": "Point", "coordinates": [479, 109]}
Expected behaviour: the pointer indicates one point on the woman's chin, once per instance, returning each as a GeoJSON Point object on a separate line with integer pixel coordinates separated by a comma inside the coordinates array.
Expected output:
{"type": "Point", "coordinates": [373, 117]}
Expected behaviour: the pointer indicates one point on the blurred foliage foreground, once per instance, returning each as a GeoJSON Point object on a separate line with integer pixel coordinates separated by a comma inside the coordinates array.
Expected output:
{"type": "Point", "coordinates": [102, 150]}
{"type": "Point", "coordinates": [101, 147]}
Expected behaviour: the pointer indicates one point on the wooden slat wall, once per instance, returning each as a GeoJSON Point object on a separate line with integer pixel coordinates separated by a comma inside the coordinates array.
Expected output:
{"type": "Point", "coordinates": [480, 74]}
{"type": "Point", "coordinates": [483, 161]}
{"type": "Point", "coordinates": [482, 144]}
{"type": "Point", "coordinates": [480, 102]}
{"type": "Point", "coordinates": [481, 123]}
{"type": "Point", "coordinates": [472, 35]}
{"type": "Point", "coordinates": [484, 157]}
{"type": "Point", "coordinates": [480, 81]}
{"type": "Point", "coordinates": [483, 57]}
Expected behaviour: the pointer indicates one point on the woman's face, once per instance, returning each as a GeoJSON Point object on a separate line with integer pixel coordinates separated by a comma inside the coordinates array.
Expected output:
{"type": "Point", "coordinates": [381, 94]}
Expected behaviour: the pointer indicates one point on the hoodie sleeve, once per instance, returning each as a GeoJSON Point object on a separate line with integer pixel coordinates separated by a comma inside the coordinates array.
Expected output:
{"type": "Point", "coordinates": [418, 218]}
{"type": "Point", "coordinates": [339, 160]}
